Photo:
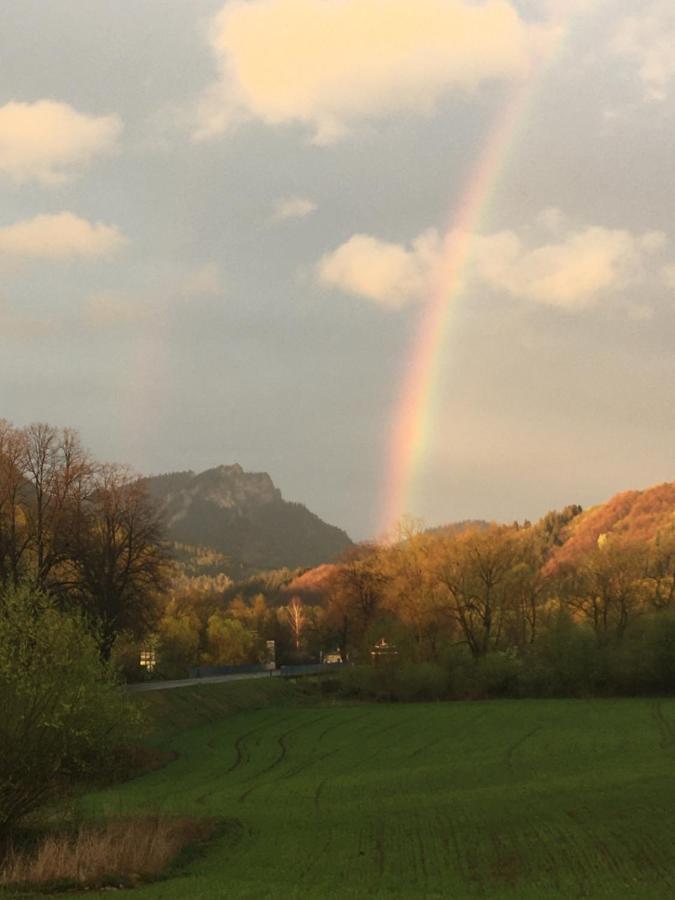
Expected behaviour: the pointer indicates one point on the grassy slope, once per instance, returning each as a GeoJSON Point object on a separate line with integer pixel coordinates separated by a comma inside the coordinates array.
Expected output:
{"type": "Point", "coordinates": [526, 799]}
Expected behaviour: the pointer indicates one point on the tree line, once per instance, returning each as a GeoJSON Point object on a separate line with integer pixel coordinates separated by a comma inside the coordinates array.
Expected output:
{"type": "Point", "coordinates": [81, 532]}
{"type": "Point", "coordinates": [477, 598]}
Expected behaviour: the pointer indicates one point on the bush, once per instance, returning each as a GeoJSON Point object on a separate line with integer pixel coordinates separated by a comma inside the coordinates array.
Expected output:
{"type": "Point", "coordinates": [63, 713]}
{"type": "Point", "coordinates": [498, 674]}
{"type": "Point", "coordinates": [392, 682]}
{"type": "Point", "coordinates": [564, 662]}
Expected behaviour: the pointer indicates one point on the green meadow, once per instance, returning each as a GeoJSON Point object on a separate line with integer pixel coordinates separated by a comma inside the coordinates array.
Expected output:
{"type": "Point", "coordinates": [513, 799]}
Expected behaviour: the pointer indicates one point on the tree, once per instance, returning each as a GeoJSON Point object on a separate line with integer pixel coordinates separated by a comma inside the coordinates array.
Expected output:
{"type": "Point", "coordinates": [295, 611]}
{"type": "Point", "coordinates": [608, 586]}
{"type": "Point", "coordinates": [477, 570]}
{"type": "Point", "coordinates": [63, 714]}
{"type": "Point", "coordinates": [15, 535]}
{"type": "Point", "coordinates": [117, 564]}
{"type": "Point", "coordinates": [228, 641]}
{"type": "Point", "coordinates": [178, 639]}
{"type": "Point", "coordinates": [414, 592]}
{"type": "Point", "coordinates": [356, 594]}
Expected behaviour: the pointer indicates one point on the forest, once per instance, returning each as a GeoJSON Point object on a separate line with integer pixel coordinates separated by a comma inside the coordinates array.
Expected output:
{"type": "Point", "coordinates": [578, 602]}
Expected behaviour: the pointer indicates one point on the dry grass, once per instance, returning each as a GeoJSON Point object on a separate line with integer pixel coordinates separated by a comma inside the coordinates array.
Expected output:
{"type": "Point", "coordinates": [124, 850]}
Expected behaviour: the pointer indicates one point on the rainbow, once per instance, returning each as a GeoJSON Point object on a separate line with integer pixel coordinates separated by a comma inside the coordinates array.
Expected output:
{"type": "Point", "coordinates": [411, 430]}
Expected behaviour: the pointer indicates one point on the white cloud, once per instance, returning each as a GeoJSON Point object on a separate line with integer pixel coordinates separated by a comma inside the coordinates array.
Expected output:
{"type": "Point", "coordinates": [572, 273]}
{"type": "Point", "coordinates": [647, 39]}
{"type": "Point", "coordinates": [390, 274]}
{"type": "Point", "coordinates": [331, 63]}
{"type": "Point", "coordinates": [58, 236]}
{"type": "Point", "coordinates": [293, 208]}
{"type": "Point", "coordinates": [49, 142]}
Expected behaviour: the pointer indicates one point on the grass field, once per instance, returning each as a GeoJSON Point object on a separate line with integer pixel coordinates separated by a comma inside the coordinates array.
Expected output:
{"type": "Point", "coordinates": [517, 799]}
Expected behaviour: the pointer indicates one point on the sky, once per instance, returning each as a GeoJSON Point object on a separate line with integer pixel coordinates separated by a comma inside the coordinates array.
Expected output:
{"type": "Point", "coordinates": [224, 226]}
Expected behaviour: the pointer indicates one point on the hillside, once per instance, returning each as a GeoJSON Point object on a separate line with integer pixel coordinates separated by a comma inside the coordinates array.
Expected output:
{"type": "Point", "coordinates": [633, 515]}
{"type": "Point", "coordinates": [243, 516]}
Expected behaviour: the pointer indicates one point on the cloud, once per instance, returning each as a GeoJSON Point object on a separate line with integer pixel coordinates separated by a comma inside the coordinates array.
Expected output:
{"type": "Point", "coordinates": [647, 39]}
{"type": "Point", "coordinates": [572, 273]}
{"type": "Point", "coordinates": [293, 208]}
{"type": "Point", "coordinates": [58, 236]}
{"type": "Point", "coordinates": [49, 142]}
{"type": "Point", "coordinates": [389, 274]}
{"type": "Point", "coordinates": [332, 63]}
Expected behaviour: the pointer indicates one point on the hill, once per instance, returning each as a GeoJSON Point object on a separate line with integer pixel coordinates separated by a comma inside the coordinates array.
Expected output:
{"type": "Point", "coordinates": [633, 515]}
{"type": "Point", "coordinates": [243, 516]}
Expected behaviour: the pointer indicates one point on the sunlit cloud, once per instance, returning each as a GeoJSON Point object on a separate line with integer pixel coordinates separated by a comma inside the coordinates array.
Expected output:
{"type": "Point", "coordinates": [647, 39]}
{"type": "Point", "coordinates": [329, 64]}
{"type": "Point", "coordinates": [292, 208]}
{"type": "Point", "coordinates": [58, 236]}
{"type": "Point", "coordinates": [50, 142]}
{"type": "Point", "coordinates": [390, 274]}
{"type": "Point", "coordinates": [574, 272]}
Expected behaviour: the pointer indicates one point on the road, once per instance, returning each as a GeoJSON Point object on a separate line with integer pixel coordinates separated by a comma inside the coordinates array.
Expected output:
{"type": "Point", "coordinates": [186, 682]}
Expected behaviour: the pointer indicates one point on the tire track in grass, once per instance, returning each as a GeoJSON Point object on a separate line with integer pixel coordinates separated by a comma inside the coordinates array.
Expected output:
{"type": "Point", "coordinates": [240, 744]}
{"type": "Point", "coordinates": [665, 728]}
{"type": "Point", "coordinates": [508, 754]}
{"type": "Point", "coordinates": [445, 737]}
{"type": "Point", "coordinates": [280, 757]}
{"type": "Point", "coordinates": [318, 791]}
{"type": "Point", "coordinates": [341, 724]}
{"type": "Point", "coordinates": [240, 752]}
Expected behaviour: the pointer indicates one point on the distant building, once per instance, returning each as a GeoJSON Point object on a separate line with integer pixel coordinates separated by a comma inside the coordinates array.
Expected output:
{"type": "Point", "coordinates": [383, 652]}
{"type": "Point", "coordinates": [148, 659]}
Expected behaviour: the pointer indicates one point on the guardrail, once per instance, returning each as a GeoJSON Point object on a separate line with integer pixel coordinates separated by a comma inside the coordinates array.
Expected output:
{"type": "Point", "coordinates": [212, 671]}
{"type": "Point", "coordinates": [311, 669]}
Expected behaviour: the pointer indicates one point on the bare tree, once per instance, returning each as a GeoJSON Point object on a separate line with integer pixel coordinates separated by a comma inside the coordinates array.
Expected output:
{"type": "Point", "coordinates": [297, 619]}
{"type": "Point", "coordinates": [15, 536]}
{"type": "Point", "coordinates": [478, 570]}
{"type": "Point", "coordinates": [118, 564]}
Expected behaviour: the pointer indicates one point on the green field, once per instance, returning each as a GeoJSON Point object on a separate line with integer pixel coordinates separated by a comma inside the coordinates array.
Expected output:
{"type": "Point", "coordinates": [526, 799]}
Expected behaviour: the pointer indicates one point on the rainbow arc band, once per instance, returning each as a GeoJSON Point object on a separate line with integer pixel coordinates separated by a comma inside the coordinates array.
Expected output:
{"type": "Point", "coordinates": [412, 426]}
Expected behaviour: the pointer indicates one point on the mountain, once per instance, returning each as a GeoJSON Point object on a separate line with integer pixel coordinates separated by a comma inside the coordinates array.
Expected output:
{"type": "Point", "coordinates": [243, 516]}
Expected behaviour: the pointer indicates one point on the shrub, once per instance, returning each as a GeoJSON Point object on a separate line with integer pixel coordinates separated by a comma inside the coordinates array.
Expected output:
{"type": "Point", "coordinates": [497, 674]}
{"type": "Point", "coordinates": [126, 851]}
{"type": "Point", "coordinates": [63, 713]}
{"type": "Point", "coordinates": [391, 682]}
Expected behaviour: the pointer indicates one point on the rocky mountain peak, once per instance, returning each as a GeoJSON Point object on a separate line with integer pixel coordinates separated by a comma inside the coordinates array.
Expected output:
{"type": "Point", "coordinates": [244, 516]}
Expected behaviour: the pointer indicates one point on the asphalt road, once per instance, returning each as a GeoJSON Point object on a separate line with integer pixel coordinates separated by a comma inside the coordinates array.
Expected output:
{"type": "Point", "coordinates": [186, 682]}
